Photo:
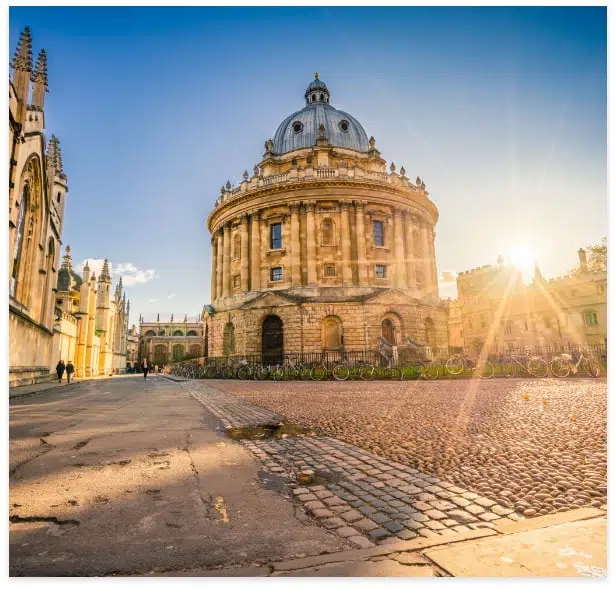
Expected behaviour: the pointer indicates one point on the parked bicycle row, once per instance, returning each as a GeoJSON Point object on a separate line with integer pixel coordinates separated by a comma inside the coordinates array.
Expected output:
{"type": "Point", "coordinates": [457, 365]}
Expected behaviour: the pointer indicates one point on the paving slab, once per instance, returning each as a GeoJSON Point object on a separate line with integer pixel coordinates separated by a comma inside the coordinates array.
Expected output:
{"type": "Point", "coordinates": [573, 549]}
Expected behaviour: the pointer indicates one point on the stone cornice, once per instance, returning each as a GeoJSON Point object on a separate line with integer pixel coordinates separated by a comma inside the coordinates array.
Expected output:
{"type": "Point", "coordinates": [287, 191]}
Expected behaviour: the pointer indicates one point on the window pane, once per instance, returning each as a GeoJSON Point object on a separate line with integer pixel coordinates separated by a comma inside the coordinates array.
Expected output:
{"type": "Point", "coordinates": [276, 274]}
{"type": "Point", "coordinates": [381, 271]}
{"type": "Point", "coordinates": [276, 236]}
{"type": "Point", "coordinates": [377, 228]}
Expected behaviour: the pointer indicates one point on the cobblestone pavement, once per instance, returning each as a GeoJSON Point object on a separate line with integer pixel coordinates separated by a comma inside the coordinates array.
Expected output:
{"type": "Point", "coordinates": [535, 446]}
{"type": "Point", "coordinates": [364, 498]}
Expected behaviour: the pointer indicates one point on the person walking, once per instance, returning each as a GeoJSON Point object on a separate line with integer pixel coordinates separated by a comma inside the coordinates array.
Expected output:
{"type": "Point", "coordinates": [145, 366]}
{"type": "Point", "coordinates": [69, 371]}
{"type": "Point", "coordinates": [60, 370]}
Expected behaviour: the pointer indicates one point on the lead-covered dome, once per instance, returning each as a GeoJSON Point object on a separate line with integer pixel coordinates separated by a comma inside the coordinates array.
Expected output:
{"type": "Point", "coordinates": [301, 129]}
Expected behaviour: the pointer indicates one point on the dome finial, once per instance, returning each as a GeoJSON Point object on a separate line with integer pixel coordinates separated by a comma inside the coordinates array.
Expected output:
{"type": "Point", "coordinates": [316, 75]}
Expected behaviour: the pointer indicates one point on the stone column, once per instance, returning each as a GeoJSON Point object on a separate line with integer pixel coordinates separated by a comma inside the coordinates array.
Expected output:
{"type": "Point", "coordinates": [400, 273]}
{"type": "Point", "coordinates": [426, 265]}
{"type": "Point", "coordinates": [411, 279]}
{"type": "Point", "coordinates": [347, 272]}
{"type": "Point", "coordinates": [255, 252]}
{"type": "Point", "coordinates": [296, 271]}
{"type": "Point", "coordinates": [226, 260]}
{"type": "Point", "coordinates": [265, 246]}
{"type": "Point", "coordinates": [244, 253]}
{"type": "Point", "coordinates": [432, 236]}
{"type": "Point", "coordinates": [362, 268]}
{"type": "Point", "coordinates": [213, 294]}
{"type": "Point", "coordinates": [311, 248]}
{"type": "Point", "coordinates": [219, 264]}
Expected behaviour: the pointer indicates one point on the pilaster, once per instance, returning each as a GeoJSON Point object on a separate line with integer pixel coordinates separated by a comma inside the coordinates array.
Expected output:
{"type": "Point", "coordinates": [362, 269]}
{"type": "Point", "coordinates": [226, 260]}
{"type": "Point", "coordinates": [244, 253]}
{"type": "Point", "coordinates": [296, 275]}
{"type": "Point", "coordinates": [347, 271]}
{"type": "Point", "coordinates": [255, 251]}
{"type": "Point", "coordinates": [311, 250]}
{"type": "Point", "coordinates": [400, 272]}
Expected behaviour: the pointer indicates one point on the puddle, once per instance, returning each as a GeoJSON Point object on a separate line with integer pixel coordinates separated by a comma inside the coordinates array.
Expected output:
{"type": "Point", "coordinates": [267, 432]}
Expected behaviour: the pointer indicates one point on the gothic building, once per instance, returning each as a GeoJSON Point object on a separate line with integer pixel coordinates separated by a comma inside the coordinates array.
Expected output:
{"type": "Point", "coordinates": [322, 248]}
{"type": "Point", "coordinates": [91, 326]}
{"type": "Point", "coordinates": [37, 196]}
{"type": "Point", "coordinates": [170, 341]}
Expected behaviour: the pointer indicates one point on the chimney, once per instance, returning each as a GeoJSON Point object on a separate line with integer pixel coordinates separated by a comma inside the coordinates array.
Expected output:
{"type": "Point", "coordinates": [582, 257]}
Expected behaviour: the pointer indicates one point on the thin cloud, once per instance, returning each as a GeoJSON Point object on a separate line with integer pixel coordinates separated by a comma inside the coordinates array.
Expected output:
{"type": "Point", "coordinates": [131, 275]}
{"type": "Point", "coordinates": [171, 295]}
{"type": "Point", "coordinates": [152, 300]}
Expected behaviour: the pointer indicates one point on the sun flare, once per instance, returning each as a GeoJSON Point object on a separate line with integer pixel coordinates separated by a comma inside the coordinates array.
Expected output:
{"type": "Point", "coordinates": [523, 257]}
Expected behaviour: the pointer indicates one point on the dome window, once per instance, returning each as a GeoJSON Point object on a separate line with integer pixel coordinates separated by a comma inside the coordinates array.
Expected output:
{"type": "Point", "coordinates": [344, 126]}
{"type": "Point", "coordinates": [297, 127]}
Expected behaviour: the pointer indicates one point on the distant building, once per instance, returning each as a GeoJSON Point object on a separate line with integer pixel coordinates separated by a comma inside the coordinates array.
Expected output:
{"type": "Point", "coordinates": [496, 308]}
{"type": "Point", "coordinates": [91, 327]}
{"type": "Point", "coordinates": [171, 341]}
{"type": "Point", "coordinates": [132, 348]}
{"type": "Point", "coordinates": [37, 196]}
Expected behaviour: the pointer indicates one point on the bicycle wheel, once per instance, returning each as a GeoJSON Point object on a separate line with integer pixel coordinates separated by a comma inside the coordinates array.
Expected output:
{"type": "Point", "coordinates": [366, 372]}
{"type": "Point", "coordinates": [485, 369]}
{"type": "Point", "coordinates": [430, 372]}
{"type": "Point", "coordinates": [340, 372]}
{"type": "Point", "coordinates": [454, 365]}
{"type": "Point", "coordinates": [260, 373]}
{"type": "Point", "coordinates": [395, 373]}
{"type": "Point", "coordinates": [538, 367]}
{"type": "Point", "coordinates": [508, 369]}
{"type": "Point", "coordinates": [560, 368]}
{"type": "Point", "coordinates": [318, 372]}
{"type": "Point", "coordinates": [244, 372]}
{"type": "Point", "coordinates": [592, 368]}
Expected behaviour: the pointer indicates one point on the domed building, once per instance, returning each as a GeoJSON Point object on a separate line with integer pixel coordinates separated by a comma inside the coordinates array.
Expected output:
{"type": "Point", "coordinates": [322, 248]}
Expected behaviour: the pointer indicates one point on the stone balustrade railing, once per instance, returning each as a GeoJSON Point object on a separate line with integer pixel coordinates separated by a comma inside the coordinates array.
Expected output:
{"type": "Point", "coordinates": [310, 173]}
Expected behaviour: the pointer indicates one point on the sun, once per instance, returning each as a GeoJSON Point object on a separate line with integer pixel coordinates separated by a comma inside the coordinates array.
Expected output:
{"type": "Point", "coordinates": [524, 258]}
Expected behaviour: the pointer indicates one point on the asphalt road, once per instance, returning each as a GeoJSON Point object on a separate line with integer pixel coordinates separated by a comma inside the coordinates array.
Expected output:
{"type": "Point", "coordinates": [122, 476]}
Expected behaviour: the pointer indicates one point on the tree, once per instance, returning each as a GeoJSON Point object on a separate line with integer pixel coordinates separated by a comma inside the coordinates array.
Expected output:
{"type": "Point", "coordinates": [596, 257]}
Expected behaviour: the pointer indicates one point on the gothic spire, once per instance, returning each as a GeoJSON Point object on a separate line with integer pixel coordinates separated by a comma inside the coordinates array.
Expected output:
{"type": "Point", "coordinates": [22, 60]}
{"type": "Point", "coordinates": [105, 271]}
{"type": "Point", "coordinates": [39, 75]}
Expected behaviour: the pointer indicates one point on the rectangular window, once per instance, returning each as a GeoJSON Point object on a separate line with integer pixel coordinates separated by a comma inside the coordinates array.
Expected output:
{"type": "Point", "coordinates": [236, 281]}
{"type": "Point", "coordinates": [330, 270]}
{"type": "Point", "coordinates": [378, 234]}
{"type": "Point", "coordinates": [276, 274]}
{"type": "Point", "coordinates": [380, 270]}
{"type": "Point", "coordinates": [276, 236]}
{"type": "Point", "coordinates": [590, 319]}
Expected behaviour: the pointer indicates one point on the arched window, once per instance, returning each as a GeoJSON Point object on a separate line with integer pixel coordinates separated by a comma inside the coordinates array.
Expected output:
{"type": "Point", "coordinates": [331, 333]}
{"type": "Point", "coordinates": [192, 332]}
{"type": "Point", "coordinates": [47, 295]}
{"type": "Point", "coordinates": [237, 246]}
{"type": "Point", "coordinates": [228, 340]}
{"type": "Point", "coordinates": [161, 332]}
{"type": "Point", "coordinates": [195, 350]}
{"type": "Point", "coordinates": [150, 333]}
{"type": "Point", "coordinates": [160, 354]}
{"type": "Point", "coordinates": [178, 332]}
{"type": "Point", "coordinates": [19, 238]}
{"type": "Point", "coordinates": [178, 352]}
{"type": "Point", "coordinates": [327, 232]}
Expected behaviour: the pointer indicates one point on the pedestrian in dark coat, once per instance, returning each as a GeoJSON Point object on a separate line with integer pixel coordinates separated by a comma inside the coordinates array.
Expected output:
{"type": "Point", "coordinates": [60, 370]}
{"type": "Point", "coordinates": [69, 371]}
{"type": "Point", "coordinates": [146, 367]}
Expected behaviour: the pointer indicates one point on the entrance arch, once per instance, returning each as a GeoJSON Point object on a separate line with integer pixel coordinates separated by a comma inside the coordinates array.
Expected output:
{"type": "Point", "coordinates": [272, 339]}
{"type": "Point", "coordinates": [388, 331]}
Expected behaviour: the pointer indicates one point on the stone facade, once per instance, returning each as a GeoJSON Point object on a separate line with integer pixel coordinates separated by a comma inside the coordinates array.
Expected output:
{"type": "Point", "coordinates": [91, 327]}
{"type": "Point", "coordinates": [496, 308]}
{"type": "Point", "coordinates": [170, 341]}
{"type": "Point", "coordinates": [132, 347]}
{"type": "Point", "coordinates": [37, 195]}
{"type": "Point", "coordinates": [321, 248]}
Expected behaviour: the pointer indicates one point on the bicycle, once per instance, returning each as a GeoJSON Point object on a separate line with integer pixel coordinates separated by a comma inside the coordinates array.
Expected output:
{"type": "Point", "coordinates": [456, 364]}
{"type": "Point", "coordinates": [426, 369]}
{"type": "Point", "coordinates": [533, 365]}
{"type": "Point", "coordinates": [563, 365]}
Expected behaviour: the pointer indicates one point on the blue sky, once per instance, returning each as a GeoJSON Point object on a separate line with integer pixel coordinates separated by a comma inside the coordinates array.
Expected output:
{"type": "Point", "coordinates": [501, 111]}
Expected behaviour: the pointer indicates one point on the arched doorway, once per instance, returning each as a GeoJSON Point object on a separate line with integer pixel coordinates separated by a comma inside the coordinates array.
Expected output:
{"type": "Point", "coordinates": [331, 333]}
{"type": "Point", "coordinates": [430, 333]}
{"type": "Point", "coordinates": [272, 339]}
{"type": "Point", "coordinates": [228, 339]}
{"type": "Point", "coordinates": [388, 331]}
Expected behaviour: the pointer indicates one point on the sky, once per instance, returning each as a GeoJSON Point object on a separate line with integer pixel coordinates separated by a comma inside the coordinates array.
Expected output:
{"type": "Point", "coordinates": [501, 111]}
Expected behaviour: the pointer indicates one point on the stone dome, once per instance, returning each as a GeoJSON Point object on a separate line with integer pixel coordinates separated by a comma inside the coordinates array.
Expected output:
{"type": "Point", "coordinates": [301, 129]}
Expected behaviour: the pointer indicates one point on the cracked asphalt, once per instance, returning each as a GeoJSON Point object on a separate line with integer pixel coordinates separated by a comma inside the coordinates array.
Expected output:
{"type": "Point", "coordinates": [126, 477]}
